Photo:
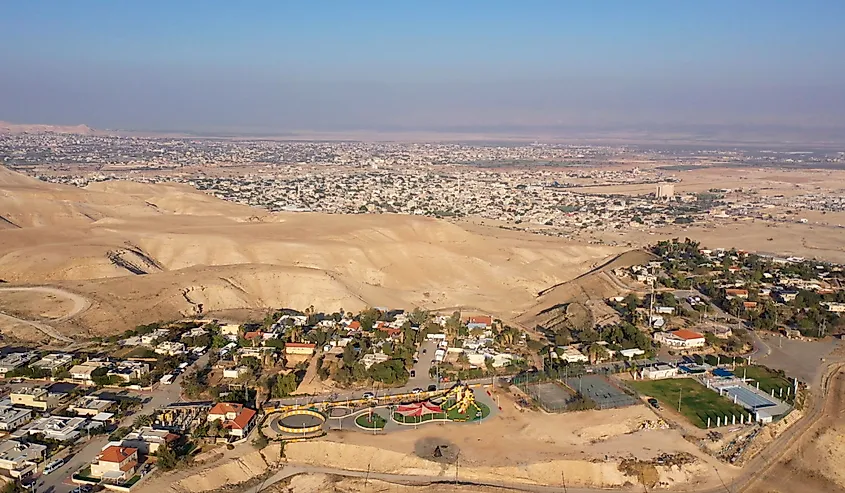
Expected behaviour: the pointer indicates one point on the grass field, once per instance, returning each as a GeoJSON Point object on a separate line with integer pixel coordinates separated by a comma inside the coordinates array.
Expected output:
{"type": "Point", "coordinates": [697, 401]}
{"type": "Point", "coordinates": [769, 379]}
{"type": "Point", "coordinates": [364, 421]}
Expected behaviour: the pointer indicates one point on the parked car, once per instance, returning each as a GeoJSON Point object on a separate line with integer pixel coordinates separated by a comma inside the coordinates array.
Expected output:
{"type": "Point", "coordinates": [417, 390]}
{"type": "Point", "coordinates": [432, 388]}
{"type": "Point", "coordinates": [53, 466]}
{"type": "Point", "coordinates": [653, 403]}
{"type": "Point", "coordinates": [369, 395]}
{"type": "Point", "coordinates": [413, 373]}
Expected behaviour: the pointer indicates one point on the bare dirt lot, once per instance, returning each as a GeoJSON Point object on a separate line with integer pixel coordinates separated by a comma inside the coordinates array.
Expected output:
{"type": "Point", "coordinates": [529, 447]}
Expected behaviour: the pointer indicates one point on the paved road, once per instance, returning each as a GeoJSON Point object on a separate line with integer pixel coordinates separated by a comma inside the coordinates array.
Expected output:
{"type": "Point", "coordinates": [80, 304]}
{"type": "Point", "coordinates": [163, 395]}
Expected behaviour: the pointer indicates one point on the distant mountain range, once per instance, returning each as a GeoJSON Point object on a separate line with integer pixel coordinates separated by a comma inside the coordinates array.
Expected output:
{"type": "Point", "coordinates": [15, 128]}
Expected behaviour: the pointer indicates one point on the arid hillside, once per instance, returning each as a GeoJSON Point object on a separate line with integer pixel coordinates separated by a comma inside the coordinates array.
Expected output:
{"type": "Point", "coordinates": [140, 253]}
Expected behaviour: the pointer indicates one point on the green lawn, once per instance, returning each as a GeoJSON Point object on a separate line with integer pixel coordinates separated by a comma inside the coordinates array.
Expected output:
{"type": "Point", "coordinates": [697, 401]}
{"type": "Point", "coordinates": [769, 379]}
{"type": "Point", "coordinates": [364, 421]}
{"type": "Point", "coordinates": [471, 414]}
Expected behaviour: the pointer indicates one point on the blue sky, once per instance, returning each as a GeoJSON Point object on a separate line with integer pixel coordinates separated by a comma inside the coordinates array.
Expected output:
{"type": "Point", "coordinates": [329, 65]}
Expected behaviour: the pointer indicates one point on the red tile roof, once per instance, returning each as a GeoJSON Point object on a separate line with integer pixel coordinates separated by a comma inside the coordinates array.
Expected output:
{"type": "Point", "coordinates": [252, 335]}
{"type": "Point", "coordinates": [486, 320]}
{"type": "Point", "coordinates": [355, 325]}
{"type": "Point", "coordinates": [687, 334]}
{"type": "Point", "coordinates": [242, 420]}
{"type": "Point", "coordinates": [223, 408]}
{"type": "Point", "coordinates": [116, 454]}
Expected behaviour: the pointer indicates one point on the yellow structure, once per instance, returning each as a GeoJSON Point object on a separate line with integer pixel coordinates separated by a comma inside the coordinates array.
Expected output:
{"type": "Point", "coordinates": [464, 399]}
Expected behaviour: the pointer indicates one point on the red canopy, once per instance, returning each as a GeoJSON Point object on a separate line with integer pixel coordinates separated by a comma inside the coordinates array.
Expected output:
{"type": "Point", "coordinates": [419, 409]}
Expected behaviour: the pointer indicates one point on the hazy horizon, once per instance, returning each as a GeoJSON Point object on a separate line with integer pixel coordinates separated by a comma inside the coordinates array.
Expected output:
{"type": "Point", "coordinates": [438, 66]}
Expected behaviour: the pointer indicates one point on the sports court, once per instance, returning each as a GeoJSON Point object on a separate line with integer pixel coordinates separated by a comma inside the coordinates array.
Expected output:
{"type": "Point", "coordinates": [550, 395]}
{"type": "Point", "coordinates": [602, 391]}
{"type": "Point", "coordinates": [748, 399]}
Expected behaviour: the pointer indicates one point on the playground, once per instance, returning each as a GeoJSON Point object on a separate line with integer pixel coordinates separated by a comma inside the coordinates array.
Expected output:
{"type": "Point", "coordinates": [455, 405]}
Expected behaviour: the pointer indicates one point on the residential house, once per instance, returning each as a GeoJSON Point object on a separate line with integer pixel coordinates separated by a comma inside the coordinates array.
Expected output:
{"type": "Point", "coordinates": [115, 464]}
{"type": "Point", "coordinates": [371, 359]}
{"type": "Point", "coordinates": [58, 428]}
{"type": "Point", "coordinates": [53, 362]}
{"type": "Point", "coordinates": [90, 405]}
{"type": "Point", "coordinates": [834, 307]}
{"type": "Point", "coordinates": [230, 330]}
{"type": "Point", "coordinates": [736, 293]}
{"type": "Point", "coordinates": [35, 398]}
{"type": "Point", "coordinates": [19, 459]}
{"type": "Point", "coordinates": [235, 417]}
{"type": "Point", "coordinates": [148, 440]}
{"type": "Point", "coordinates": [480, 322]}
{"type": "Point", "coordinates": [299, 348]}
{"type": "Point", "coordinates": [12, 418]}
{"type": "Point", "coordinates": [13, 361]}
{"type": "Point", "coordinates": [169, 348]}
{"type": "Point", "coordinates": [82, 372]}
{"type": "Point", "coordinates": [235, 372]}
{"type": "Point", "coordinates": [130, 370]}
{"type": "Point", "coordinates": [682, 338]}
{"type": "Point", "coordinates": [571, 354]}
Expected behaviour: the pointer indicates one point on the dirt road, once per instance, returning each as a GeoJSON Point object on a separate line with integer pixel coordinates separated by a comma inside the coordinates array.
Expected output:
{"type": "Point", "coordinates": [80, 304]}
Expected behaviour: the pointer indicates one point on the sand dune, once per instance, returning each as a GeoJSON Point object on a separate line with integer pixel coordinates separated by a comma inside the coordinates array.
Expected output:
{"type": "Point", "coordinates": [146, 252]}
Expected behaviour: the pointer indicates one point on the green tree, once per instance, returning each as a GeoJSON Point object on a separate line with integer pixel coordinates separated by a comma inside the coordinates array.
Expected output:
{"type": "Point", "coordinates": [284, 385]}
{"type": "Point", "coordinates": [166, 459]}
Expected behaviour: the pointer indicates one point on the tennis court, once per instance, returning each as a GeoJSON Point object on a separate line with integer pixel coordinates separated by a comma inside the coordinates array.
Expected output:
{"type": "Point", "coordinates": [603, 392]}
{"type": "Point", "coordinates": [550, 395]}
{"type": "Point", "coordinates": [747, 398]}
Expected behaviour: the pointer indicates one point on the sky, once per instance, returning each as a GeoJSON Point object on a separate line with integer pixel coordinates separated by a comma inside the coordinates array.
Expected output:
{"type": "Point", "coordinates": [408, 65]}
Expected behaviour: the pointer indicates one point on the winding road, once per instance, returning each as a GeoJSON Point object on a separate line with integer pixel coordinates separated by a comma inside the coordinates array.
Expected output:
{"type": "Point", "coordinates": [80, 304]}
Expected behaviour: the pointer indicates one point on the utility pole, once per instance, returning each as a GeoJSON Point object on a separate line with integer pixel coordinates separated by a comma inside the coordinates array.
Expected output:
{"type": "Point", "coordinates": [679, 400]}
{"type": "Point", "coordinates": [563, 480]}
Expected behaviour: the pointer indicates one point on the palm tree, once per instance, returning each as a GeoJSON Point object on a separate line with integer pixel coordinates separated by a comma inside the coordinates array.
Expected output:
{"type": "Point", "coordinates": [596, 352]}
{"type": "Point", "coordinates": [143, 420]}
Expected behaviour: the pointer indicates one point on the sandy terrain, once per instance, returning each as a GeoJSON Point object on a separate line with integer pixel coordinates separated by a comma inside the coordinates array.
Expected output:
{"type": "Point", "coordinates": [530, 447]}
{"type": "Point", "coordinates": [142, 253]}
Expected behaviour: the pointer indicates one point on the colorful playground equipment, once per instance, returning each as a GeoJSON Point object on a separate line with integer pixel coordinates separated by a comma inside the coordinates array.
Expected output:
{"type": "Point", "coordinates": [464, 399]}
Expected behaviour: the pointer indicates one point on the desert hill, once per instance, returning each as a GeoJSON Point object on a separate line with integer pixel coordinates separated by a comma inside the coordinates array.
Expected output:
{"type": "Point", "coordinates": [19, 128]}
{"type": "Point", "coordinates": [141, 253]}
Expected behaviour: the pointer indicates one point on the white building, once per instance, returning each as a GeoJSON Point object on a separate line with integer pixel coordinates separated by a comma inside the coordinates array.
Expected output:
{"type": "Point", "coordinates": [16, 360]}
{"type": "Point", "coordinates": [684, 339]}
{"type": "Point", "coordinates": [659, 372]}
{"type": "Point", "coordinates": [571, 354]}
{"type": "Point", "coordinates": [53, 362]}
{"type": "Point", "coordinates": [371, 359]}
{"type": "Point", "coordinates": [56, 428]}
{"type": "Point", "coordinates": [12, 418]}
{"type": "Point", "coordinates": [130, 370]}
{"type": "Point", "coordinates": [170, 348]}
{"type": "Point", "coordinates": [82, 372]}
{"type": "Point", "coordinates": [20, 459]}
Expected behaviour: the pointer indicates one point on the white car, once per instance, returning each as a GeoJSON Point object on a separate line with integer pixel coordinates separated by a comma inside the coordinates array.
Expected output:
{"type": "Point", "coordinates": [369, 395]}
{"type": "Point", "coordinates": [53, 466]}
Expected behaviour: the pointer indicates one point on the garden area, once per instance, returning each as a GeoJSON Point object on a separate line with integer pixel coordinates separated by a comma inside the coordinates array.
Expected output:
{"type": "Point", "coordinates": [371, 422]}
{"type": "Point", "coordinates": [697, 401]}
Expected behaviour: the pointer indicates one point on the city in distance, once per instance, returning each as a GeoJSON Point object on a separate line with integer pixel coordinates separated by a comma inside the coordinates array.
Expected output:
{"type": "Point", "coordinates": [422, 248]}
